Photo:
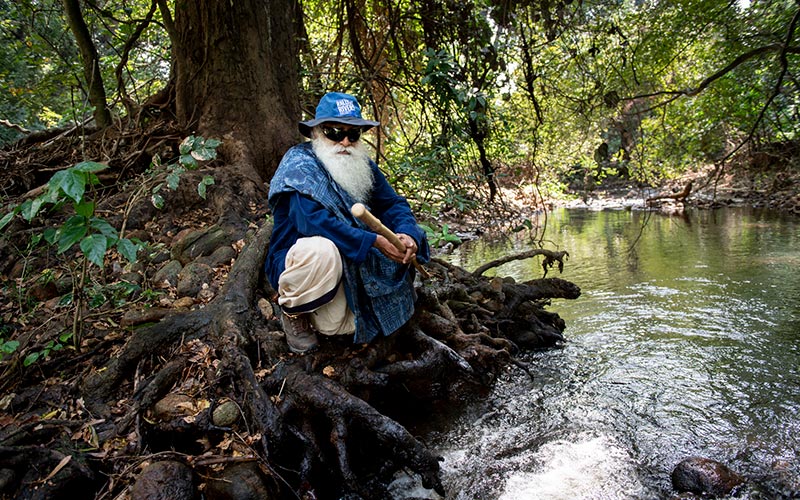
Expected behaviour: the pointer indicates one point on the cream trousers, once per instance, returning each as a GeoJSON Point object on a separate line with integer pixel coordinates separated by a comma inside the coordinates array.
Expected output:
{"type": "Point", "coordinates": [312, 283]}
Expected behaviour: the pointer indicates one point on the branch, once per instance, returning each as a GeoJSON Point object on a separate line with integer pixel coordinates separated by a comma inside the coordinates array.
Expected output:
{"type": "Point", "coordinates": [550, 258]}
{"type": "Point", "coordinates": [741, 59]}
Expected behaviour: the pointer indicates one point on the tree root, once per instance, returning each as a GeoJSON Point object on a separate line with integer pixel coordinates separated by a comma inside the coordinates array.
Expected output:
{"type": "Point", "coordinates": [323, 425]}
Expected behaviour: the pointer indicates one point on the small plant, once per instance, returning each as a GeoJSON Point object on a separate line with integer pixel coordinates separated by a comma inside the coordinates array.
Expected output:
{"type": "Point", "coordinates": [51, 345]}
{"type": "Point", "coordinates": [441, 237]}
{"type": "Point", "coordinates": [192, 150]}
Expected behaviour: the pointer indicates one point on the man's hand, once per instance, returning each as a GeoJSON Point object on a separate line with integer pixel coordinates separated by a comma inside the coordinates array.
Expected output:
{"type": "Point", "coordinates": [393, 253]}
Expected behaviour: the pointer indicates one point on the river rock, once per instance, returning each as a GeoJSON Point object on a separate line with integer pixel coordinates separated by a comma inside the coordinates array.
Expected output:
{"type": "Point", "coordinates": [241, 482]}
{"type": "Point", "coordinates": [168, 480]}
{"type": "Point", "coordinates": [192, 277]}
{"type": "Point", "coordinates": [705, 476]}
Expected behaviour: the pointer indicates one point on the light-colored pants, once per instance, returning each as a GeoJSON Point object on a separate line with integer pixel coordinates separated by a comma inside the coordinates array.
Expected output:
{"type": "Point", "coordinates": [312, 283]}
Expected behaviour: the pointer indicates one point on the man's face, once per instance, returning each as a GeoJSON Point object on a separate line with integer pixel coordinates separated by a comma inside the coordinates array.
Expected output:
{"type": "Point", "coordinates": [342, 134]}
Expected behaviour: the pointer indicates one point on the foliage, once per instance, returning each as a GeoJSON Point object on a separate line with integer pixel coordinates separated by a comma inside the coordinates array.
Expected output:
{"type": "Point", "coordinates": [193, 149]}
{"type": "Point", "coordinates": [604, 87]}
{"type": "Point", "coordinates": [440, 237]}
{"type": "Point", "coordinates": [93, 235]}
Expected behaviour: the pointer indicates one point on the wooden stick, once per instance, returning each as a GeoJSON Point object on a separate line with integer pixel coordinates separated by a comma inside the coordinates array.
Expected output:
{"type": "Point", "coordinates": [360, 212]}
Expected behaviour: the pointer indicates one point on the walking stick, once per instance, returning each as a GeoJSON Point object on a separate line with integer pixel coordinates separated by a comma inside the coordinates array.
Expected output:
{"type": "Point", "coordinates": [361, 213]}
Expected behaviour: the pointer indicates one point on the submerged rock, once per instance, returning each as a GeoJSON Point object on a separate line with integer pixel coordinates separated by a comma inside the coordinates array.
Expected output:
{"type": "Point", "coordinates": [705, 476]}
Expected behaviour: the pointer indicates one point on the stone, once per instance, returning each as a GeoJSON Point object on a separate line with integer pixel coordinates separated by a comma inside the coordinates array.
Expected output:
{"type": "Point", "coordinates": [222, 256]}
{"type": "Point", "coordinates": [167, 480]}
{"type": "Point", "coordinates": [167, 276]}
{"type": "Point", "coordinates": [225, 414]}
{"type": "Point", "coordinates": [192, 244]}
{"type": "Point", "coordinates": [192, 277]}
{"type": "Point", "coordinates": [241, 482]}
{"type": "Point", "coordinates": [174, 406]}
{"type": "Point", "coordinates": [705, 477]}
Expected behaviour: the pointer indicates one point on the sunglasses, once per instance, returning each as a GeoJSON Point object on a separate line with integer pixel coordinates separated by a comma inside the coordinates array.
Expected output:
{"type": "Point", "coordinates": [338, 134]}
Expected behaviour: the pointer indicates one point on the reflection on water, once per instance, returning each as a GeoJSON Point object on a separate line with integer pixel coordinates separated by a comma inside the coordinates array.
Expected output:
{"type": "Point", "coordinates": [686, 345]}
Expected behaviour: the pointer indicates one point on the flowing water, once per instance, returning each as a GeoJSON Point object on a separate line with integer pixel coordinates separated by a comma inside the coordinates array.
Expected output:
{"type": "Point", "coordinates": [684, 342]}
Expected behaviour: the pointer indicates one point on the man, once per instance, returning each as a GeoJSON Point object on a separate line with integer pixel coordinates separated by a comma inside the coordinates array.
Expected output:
{"type": "Point", "coordinates": [333, 275]}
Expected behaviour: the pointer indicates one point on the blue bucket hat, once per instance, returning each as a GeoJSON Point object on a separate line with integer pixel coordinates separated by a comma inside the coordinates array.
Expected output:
{"type": "Point", "coordinates": [337, 107]}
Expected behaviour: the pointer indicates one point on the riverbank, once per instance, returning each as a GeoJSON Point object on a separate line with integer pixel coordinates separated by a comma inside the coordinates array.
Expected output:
{"type": "Point", "coordinates": [777, 189]}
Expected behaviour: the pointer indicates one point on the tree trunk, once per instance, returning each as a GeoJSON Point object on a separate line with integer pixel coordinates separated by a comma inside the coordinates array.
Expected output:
{"type": "Point", "coordinates": [236, 76]}
{"type": "Point", "coordinates": [91, 63]}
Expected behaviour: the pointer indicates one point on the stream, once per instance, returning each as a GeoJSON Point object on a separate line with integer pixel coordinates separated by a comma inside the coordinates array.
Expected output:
{"type": "Point", "coordinates": [685, 342]}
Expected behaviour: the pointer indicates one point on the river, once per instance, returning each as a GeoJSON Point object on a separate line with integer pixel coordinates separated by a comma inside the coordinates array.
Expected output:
{"type": "Point", "coordinates": [684, 342]}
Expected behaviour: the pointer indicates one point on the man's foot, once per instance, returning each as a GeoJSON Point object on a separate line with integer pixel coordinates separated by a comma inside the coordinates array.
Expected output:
{"type": "Point", "coordinates": [299, 334]}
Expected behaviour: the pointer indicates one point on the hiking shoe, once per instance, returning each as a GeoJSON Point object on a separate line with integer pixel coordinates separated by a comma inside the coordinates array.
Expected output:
{"type": "Point", "coordinates": [299, 334]}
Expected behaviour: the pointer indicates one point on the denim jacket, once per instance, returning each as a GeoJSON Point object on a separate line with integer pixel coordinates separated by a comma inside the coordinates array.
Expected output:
{"type": "Point", "coordinates": [379, 291]}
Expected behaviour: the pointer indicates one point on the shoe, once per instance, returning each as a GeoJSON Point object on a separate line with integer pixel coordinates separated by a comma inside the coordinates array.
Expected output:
{"type": "Point", "coordinates": [299, 334]}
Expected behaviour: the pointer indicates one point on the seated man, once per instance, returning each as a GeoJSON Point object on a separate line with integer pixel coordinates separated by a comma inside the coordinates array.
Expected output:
{"type": "Point", "coordinates": [333, 275]}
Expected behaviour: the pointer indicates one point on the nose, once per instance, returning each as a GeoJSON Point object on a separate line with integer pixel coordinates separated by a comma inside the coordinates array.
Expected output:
{"type": "Point", "coordinates": [345, 142]}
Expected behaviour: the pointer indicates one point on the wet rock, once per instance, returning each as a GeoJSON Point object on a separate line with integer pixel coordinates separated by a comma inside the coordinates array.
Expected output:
{"type": "Point", "coordinates": [166, 480]}
{"type": "Point", "coordinates": [192, 277]}
{"type": "Point", "coordinates": [705, 477]}
{"type": "Point", "coordinates": [167, 276]}
{"type": "Point", "coordinates": [241, 482]}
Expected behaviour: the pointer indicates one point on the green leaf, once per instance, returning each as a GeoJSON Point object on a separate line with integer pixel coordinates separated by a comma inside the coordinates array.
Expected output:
{"type": "Point", "coordinates": [64, 337]}
{"type": "Point", "coordinates": [6, 219]}
{"type": "Point", "coordinates": [204, 154]}
{"type": "Point", "coordinates": [71, 232]}
{"type": "Point", "coordinates": [30, 208]}
{"type": "Point", "coordinates": [201, 186]}
{"type": "Point", "coordinates": [70, 182]}
{"type": "Point", "coordinates": [128, 249]}
{"type": "Point", "coordinates": [10, 346]}
{"type": "Point", "coordinates": [31, 358]}
{"type": "Point", "coordinates": [157, 200]}
{"type": "Point", "coordinates": [50, 235]}
{"type": "Point", "coordinates": [173, 179]}
{"type": "Point", "coordinates": [187, 145]}
{"type": "Point", "coordinates": [85, 208]}
{"type": "Point", "coordinates": [94, 248]}
{"type": "Point", "coordinates": [89, 166]}
{"type": "Point", "coordinates": [188, 161]}
{"type": "Point", "coordinates": [104, 227]}
{"type": "Point", "coordinates": [213, 143]}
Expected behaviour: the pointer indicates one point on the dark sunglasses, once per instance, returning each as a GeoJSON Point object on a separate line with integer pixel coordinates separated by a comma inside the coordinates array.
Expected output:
{"type": "Point", "coordinates": [337, 134]}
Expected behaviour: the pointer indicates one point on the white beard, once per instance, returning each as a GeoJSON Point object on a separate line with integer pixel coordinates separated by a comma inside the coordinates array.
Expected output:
{"type": "Point", "coordinates": [350, 171]}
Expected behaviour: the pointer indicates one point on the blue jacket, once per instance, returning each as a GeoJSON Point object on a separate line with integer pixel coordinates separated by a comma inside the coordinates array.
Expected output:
{"type": "Point", "coordinates": [305, 201]}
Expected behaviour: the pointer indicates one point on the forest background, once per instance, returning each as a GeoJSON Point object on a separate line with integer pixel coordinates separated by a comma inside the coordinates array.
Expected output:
{"type": "Point", "coordinates": [141, 134]}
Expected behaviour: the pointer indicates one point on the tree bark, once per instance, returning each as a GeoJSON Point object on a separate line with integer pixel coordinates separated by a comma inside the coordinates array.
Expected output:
{"type": "Point", "coordinates": [91, 63]}
{"type": "Point", "coordinates": [236, 76]}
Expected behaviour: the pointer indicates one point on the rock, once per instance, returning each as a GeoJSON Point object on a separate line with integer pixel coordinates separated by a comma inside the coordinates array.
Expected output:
{"type": "Point", "coordinates": [192, 277]}
{"type": "Point", "coordinates": [167, 276]}
{"type": "Point", "coordinates": [222, 256]}
{"type": "Point", "coordinates": [192, 244]}
{"type": "Point", "coordinates": [166, 480]}
{"type": "Point", "coordinates": [183, 303]}
{"type": "Point", "coordinates": [149, 315]}
{"type": "Point", "coordinates": [225, 414]}
{"type": "Point", "coordinates": [173, 406]}
{"type": "Point", "coordinates": [705, 476]}
{"type": "Point", "coordinates": [241, 482]}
